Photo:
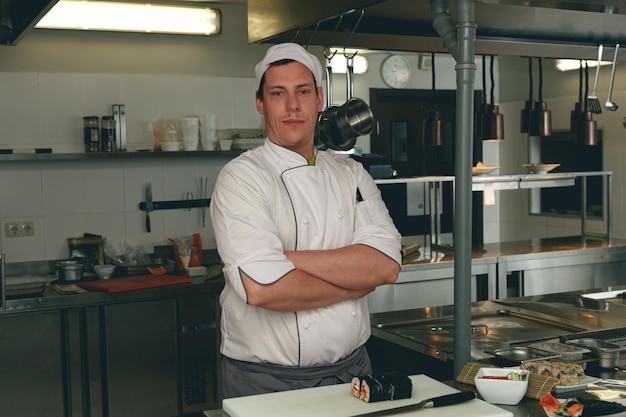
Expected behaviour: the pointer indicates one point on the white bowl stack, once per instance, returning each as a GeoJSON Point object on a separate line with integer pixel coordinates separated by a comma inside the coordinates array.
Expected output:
{"type": "Point", "coordinates": [189, 127]}
{"type": "Point", "coordinates": [208, 131]}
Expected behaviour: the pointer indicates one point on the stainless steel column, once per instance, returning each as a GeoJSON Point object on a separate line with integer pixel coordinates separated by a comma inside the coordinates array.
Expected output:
{"type": "Point", "coordinates": [463, 52]}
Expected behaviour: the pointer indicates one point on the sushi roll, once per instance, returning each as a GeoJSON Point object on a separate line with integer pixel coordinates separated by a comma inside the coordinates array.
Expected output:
{"type": "Point", "coordinates": [384, 387]}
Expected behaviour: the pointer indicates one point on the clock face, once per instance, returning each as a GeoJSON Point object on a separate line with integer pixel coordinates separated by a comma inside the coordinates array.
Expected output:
{"type": "Point", "coordinates": [396, 71]}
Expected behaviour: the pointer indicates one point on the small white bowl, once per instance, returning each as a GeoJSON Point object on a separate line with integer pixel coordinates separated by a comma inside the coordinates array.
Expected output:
{"type": "Point", "coordinates": [171, 146]}
{"type": "Point", "coordinates": [104, 271]}
{"type": "Point", "coordinates": [225, 144]}
{"type": "Point", "coordinates": [501, 391]}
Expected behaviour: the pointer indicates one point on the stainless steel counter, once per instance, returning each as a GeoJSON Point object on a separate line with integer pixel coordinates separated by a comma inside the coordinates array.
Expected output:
{"type": "Point", "coordinates": [584, 262]}
{"type": "Point", "coordinates": [519, 320]}
{"type": "Point", "coordinates": [51, 300]}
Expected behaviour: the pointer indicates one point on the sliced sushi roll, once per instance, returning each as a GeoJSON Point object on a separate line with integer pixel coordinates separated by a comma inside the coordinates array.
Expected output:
{"type": "Point", "coordinates": [385, 387]}
{"type": "Point", "coordinates": [372, 389]}
{"type": "Point", "coordinates": [398, 386]}
{"type": "Point", "coordinates": [356, 386]}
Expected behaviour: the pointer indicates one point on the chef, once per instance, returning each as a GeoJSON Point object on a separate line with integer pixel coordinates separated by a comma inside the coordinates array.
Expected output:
{"type": "Point", "coordinates": [304, 236]}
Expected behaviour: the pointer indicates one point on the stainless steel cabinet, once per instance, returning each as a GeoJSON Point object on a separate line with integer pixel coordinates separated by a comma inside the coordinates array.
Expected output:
{"type": "Point", "coordinates": [141, 363]}
{"type": "Point", "coordinates": [32, 360]}
{"type": "Point", "coordinates": [152, 357]}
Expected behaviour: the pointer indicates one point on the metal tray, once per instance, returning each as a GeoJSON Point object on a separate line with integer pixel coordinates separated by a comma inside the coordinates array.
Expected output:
{"type": "Point", "coordinates": [521, 354]}
{"type": "Point", "coordinates": [567, 352]}
{"type": "Point", "coordinates": [606, 352]}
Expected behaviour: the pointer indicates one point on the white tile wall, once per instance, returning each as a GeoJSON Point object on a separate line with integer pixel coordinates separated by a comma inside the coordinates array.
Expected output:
{"type": "Point", "coordinates": [68, 198]}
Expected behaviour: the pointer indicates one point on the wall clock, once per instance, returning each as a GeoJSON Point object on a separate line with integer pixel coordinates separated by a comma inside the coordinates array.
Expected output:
{"type": "Point", "coordinates": [396, 71]}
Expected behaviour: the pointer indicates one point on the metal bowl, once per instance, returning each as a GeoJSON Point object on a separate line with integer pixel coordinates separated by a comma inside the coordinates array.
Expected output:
{"type": "Point", "coordinates": [69, 270]}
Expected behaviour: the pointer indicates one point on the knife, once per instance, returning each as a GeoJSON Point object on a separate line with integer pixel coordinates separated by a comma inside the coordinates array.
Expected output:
{"type": "Point", "coordinates": [149, 205]}
{"type": "Point", "coordinates": [443, 400]}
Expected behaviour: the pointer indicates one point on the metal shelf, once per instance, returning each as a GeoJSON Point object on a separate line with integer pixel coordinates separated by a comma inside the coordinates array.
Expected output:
{"type": "Point", "coordinates": [16, 157]}
{"type": "Point", "coordinates": [507, 182]}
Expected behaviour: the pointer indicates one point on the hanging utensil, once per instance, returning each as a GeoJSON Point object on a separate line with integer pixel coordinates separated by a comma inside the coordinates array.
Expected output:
{"type": "Point", "coordinates": [204, 202]}
{"type": "Point", "coordinates": [593, 102]}
{"type": "Point", "coordinates": [610, 105]}
{"type": "Point", "coordinates": [149, 206]}
{"type": "Point", "coordinates": [589, 126]}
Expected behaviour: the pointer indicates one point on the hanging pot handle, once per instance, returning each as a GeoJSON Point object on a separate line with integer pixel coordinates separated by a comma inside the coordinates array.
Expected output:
{"type": "Point", "coordinates": [349, 77]}
{"type": "Point", "coordinates": [329, 84]}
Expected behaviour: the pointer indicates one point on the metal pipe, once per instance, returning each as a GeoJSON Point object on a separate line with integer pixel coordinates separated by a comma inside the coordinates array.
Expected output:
{"type": "Point", "coordinates": [461, 44]}
{"type": "Point", "coordinates": [465, 78]}
{"type": "Point", "coordinates": [445, 27]}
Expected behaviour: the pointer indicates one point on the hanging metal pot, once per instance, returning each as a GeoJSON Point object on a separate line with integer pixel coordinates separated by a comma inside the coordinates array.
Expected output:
{"type": "Point", "coordinates": [341, 126]}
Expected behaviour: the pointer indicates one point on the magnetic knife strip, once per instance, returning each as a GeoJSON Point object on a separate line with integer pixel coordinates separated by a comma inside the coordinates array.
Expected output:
{"type": "Point", "coordinates": [176, 204]}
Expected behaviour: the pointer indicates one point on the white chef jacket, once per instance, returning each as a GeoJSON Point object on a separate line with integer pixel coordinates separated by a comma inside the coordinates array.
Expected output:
{"type": "Point", "coordinates": [269, 200]}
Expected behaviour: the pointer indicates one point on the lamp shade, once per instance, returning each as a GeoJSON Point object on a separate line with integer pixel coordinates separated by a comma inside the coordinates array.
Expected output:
{"type": "Point", "coordinates": [435, 129]}
{"type": "Point", "coordinates": [590, 130]}
{"type": "Point", "coordinates": [493, 124]}
{"type": "Point", "coordinates": [541, 123]}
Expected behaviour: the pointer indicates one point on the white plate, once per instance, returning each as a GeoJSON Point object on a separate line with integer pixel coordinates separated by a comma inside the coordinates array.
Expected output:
{"type": "Point", "coordinates": [483, 170]}
{"type": "Point", "coordinates": [586, 381]}
{"type": "Point", "coordinates": [604, 295]}
{"type": "Point", "coordinates": [540, 168]}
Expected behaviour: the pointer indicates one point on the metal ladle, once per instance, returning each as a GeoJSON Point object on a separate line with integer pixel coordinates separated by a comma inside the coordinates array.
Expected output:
{"type": "Point", "coordinates": [610, 105]}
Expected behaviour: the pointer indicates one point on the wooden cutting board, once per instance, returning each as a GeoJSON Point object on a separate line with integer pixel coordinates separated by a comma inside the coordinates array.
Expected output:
{"type": "Point", "coordinates": [337, 401]}
{"type": "Point", "coordinates": [135, 282]}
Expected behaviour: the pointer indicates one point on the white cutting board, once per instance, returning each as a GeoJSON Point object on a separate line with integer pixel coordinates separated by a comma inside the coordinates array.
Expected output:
{"type": "Point", "coordinates": [337, 401]}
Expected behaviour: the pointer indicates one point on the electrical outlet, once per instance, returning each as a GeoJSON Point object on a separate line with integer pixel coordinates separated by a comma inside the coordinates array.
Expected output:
{"type": "Point", "coordinates": [28, 228]}
{"type": "Point", "coordinates": [20, 229]}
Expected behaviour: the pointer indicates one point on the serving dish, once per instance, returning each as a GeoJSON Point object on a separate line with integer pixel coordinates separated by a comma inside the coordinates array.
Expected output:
{"type": "Point", "coordinates": [483, 170]}
{"type": "Point", "coordinates": [501, 391]}
{"type": "Point", "coordinates": [540, 168]}
{"type": "Point", "coordinates": [586, 381]}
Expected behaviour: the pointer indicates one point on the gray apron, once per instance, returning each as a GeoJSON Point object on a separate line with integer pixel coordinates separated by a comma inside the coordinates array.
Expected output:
{"type": "Point", "coordinates": [248, 378]}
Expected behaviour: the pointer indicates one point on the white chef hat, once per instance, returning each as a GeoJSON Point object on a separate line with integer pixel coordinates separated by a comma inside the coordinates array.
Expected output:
{"type": "Point", "coordinates": [289, 51]}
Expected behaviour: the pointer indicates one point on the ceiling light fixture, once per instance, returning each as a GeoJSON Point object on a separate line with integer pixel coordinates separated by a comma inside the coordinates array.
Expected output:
{"type": "Point", "coordinates": [360, 65]}
{"type": "Point", "coordinates": [132, 17]}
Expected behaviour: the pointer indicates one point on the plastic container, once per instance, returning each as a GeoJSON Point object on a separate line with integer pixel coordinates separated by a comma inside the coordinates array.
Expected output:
{"type": "Point", "coordinates": [91, 133]}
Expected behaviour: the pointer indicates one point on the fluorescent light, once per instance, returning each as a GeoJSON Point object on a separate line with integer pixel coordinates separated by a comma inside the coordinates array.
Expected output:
{"type": "Point", "coordinates": [131, 17]}
{"type": "Point", "coordinates": [339, 64]}
{"type": "Point", "coordinates": [574, 64]}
